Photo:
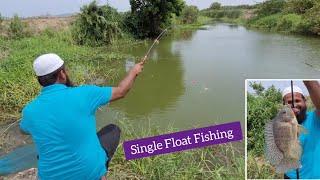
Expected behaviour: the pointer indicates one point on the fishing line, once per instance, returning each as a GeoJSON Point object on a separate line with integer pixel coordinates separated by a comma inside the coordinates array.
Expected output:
{"type": "Point", "coordinates": [292, 105]}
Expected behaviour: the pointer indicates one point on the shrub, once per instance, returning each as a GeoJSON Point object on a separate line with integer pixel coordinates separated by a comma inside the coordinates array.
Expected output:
{"type": "Point", "coordinates": [17, 29]}
{"type": "Point", "coordinates": [189, 14]}
{"type": "Point", "coordinates": [312, 19]}
{"type": "Point", "coordinates": [289, 23]}
{"type": "Point", "coordinates": [261, 107]}
{"type": "Point", "coordinates": [96, 25]}
{"type": "Point", "coordinates": [215, 5]}
{"type": "Point", "coordinates": [268, 22]}
{"type": "Point", "coordinates": [270, 7]}
{"type": "Point", "coordinates": [298, 6]}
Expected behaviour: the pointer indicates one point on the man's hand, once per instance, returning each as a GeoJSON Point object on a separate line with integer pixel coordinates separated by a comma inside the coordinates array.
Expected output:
{"type": "Point", "coordinates": [314, 91]}
{"type": "Point", "coordinates": [125, 85]}
{"type": "Point", "coordinates": [137, 68]}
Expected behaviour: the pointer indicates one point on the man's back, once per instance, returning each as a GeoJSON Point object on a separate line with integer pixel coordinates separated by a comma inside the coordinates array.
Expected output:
{"type": "Point", "coordinates": [62, 123]}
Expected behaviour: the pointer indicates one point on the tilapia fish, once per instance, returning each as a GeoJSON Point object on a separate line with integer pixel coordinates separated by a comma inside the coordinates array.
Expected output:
{"type": "Point", "coordinates": [282, 146]}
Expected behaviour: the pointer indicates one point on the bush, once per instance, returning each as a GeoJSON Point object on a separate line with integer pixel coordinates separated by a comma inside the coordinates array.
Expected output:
{"type": "Point", "coordinates": [215, 5]}
{"type": "Point", "coordinates": [229, 13]}
{"type": "Point", "coordinates": [312, 19]}
{"type": "Point", "coordinates": [270, 7]}
{"type": "Point", "coordinates": [298, 6]}
{"type": "Point", "coordinates": [289, 23]}
{"type": "Point", "coordinates": [96, 25]}
{"type": "Point", "coordinates": [17, 29]}
{"type": "Point", "coordinates": [233, 14]}
{"type": "Point", "coordinates": [268, 22]}
{"type": "Point", "coordinates": [189, 15]}
{"type": "Point", "coordinates": [261, 107]}
{"type": "Point", "coordinates": [1, 20]}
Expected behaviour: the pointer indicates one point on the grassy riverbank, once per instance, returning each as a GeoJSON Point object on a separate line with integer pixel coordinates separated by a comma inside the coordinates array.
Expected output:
{"type": "Point", "coordinates": [215, 162]}
{"type": "Point", "coordinates": [297, 17]}
{"type": "Point", "coordinates": [18, 84]}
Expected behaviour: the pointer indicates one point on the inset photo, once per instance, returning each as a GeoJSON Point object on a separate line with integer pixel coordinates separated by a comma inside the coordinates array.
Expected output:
{"type": "Point", "coordinates": [283, 128]}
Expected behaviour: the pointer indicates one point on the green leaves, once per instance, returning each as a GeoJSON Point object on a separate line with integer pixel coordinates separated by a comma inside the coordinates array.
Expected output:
{"type": "Point", "coordinates": [148, 17]}
{"type": "Point", "coordinates": [262, 106]}
{"type": "Point", "coordinates": [96, 25]}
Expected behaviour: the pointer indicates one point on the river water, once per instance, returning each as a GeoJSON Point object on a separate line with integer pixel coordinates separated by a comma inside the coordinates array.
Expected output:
{"type": "Point", "coordinates": [197, 78]}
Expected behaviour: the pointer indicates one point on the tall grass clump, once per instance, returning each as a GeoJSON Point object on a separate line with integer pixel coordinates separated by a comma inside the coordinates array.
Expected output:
{"type": "Point", "coordinates": [96, 25]}
{"type": "Point", "coordinates": [17, 28]}
{"type": "Point", "coordinates": [216, 162]}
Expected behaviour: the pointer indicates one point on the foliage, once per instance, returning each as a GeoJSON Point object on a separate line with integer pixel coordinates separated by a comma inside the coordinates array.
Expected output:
{"type": "Point", "coordinates": [267, 22]}
{"type": "Point", "coordinates": [258, 168]}
{"type": "Point", "coordinates": [1, 20]}
{"type": "Point", "coordinates": [298, 6]}
{"type": "Point", "coordinates": [189, 15]}
{"type": "Point", "coordinates": [312, 19]}
{"type": "Point", "coordinates": [96, 25]}
{"type": "Point", "coordinates": [215, 5]}
{"type": "Point", "coordinates": [270, 7]}
{"type": "Point", "coordinates": [18, 84]}
{"type": "Point", "coordinates": [289, 23]}
{"type": "Point", "coordinates": [17, 29]}
{"type": "Point", "coordinates": [215, 162]}
{"type": "Point", "coordinates": [262, 107]}
{"type": "Point", "coordinates": [229, 13]}
{"type": "Point", "coordinates": [149, 17]}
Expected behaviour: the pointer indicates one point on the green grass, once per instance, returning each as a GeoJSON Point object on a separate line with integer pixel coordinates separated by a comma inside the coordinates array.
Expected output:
{"type": "Point", "coordinates": [18, 84]}
{"type": "Point", "coordinates": [215, 162]}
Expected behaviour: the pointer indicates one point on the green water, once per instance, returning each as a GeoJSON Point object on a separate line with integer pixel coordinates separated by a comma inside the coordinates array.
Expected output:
{"type": "Point", "coordinates": [197, 78]}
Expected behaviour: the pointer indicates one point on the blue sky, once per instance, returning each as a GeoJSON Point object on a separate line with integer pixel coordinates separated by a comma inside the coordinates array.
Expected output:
{"type": "Point", "coordinates": [279, 84]}
{"type": "Point", "coordinates": [27, 8]}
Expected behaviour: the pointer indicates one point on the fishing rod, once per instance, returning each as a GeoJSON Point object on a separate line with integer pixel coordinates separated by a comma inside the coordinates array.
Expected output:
{"type": "Point", "coordinates": [292, 105]}
{"type": "Point", "coordinates": [156, 41]}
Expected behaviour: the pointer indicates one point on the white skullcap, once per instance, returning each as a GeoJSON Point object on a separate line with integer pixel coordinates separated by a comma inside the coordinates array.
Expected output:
{"type": "Point", "coordinates": [287, 90]}
{"type": "Point", "coordinates": [46, 64]}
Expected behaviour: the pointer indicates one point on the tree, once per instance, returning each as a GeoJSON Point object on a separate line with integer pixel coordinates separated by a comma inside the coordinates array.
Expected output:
{"type": "Point", "coordinates": [271, 7]}
{"type": "Point", "coordinates": [215, 5]}
{"type": "Point", "coordinates": [298, 6]}
{"type": "Point", "coordinates": [312, 19]}
{"type": "Point", "coordinates": [189, 14]}
{"type": "Point", "coordinates": [150, 17]}
{"type": "Point", "coordinates": [96, 25]}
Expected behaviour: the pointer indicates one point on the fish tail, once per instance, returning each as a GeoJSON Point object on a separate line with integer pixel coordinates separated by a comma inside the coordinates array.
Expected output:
{"type": "Point", "coordinates": [272, 152]}
{"type": "Point", "coordinates": [287, 164]}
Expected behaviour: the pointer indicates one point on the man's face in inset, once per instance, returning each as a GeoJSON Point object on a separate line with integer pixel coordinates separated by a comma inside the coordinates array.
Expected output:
{"type": "Point", "coordinates": [300, 106]}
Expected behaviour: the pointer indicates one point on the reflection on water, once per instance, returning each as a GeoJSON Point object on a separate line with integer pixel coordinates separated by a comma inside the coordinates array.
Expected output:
{"type": "Point", "coordinates": [196, 78]}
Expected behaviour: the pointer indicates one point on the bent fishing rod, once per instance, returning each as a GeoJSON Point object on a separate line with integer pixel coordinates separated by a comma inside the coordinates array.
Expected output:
{"type": "Point", "coordinates": [156, 41]}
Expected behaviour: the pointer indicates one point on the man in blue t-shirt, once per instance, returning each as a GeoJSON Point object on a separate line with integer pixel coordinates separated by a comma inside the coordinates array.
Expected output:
{"type": "Point", "coordinates": [61, 121]}
{"type": "Point", "coordinates": [310, 159]}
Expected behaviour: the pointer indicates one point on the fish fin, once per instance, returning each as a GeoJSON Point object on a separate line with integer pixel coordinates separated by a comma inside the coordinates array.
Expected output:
{"type": "Point", "coordinates": [287, 164]}
{"type": "Point", "coordinates": [272, 152]}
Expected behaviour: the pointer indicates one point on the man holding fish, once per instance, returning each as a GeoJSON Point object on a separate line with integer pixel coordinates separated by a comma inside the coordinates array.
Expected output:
{"type": "Point", "coordinates": [293, 136]}
{"type": "Point", "coordinates": [61, 121]}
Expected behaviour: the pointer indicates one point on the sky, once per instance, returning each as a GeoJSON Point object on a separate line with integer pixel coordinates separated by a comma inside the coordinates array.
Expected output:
{"type": "Point", "coordinates": [279, 84]}
{"type": "Point", "coordinates": [29, 8]}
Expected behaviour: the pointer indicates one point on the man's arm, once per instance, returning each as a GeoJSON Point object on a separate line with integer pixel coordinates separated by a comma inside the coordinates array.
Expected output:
{"type": "Point", "coordinates": [125, 85]}
{"type": "Point", "coordinates": [314, 91]}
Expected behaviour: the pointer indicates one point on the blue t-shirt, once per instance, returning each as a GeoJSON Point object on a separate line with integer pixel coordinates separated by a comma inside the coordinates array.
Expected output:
{"type": "Point", "coordinates": [62, 123]}
{"type": "Point", "coordinates": [310, 159]}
